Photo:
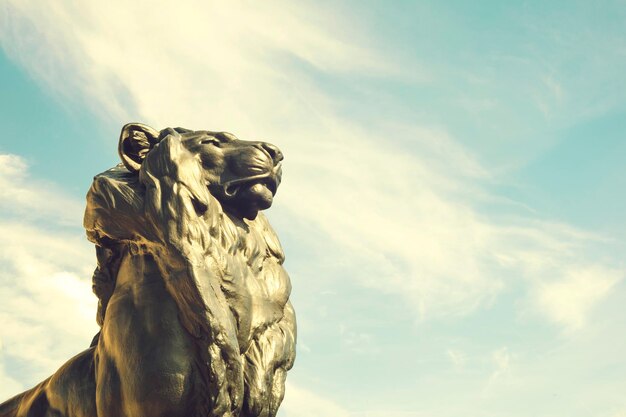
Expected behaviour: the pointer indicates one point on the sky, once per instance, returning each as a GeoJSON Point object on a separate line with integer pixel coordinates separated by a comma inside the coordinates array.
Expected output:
{"type": "Point", "coordinates": [451, 207]}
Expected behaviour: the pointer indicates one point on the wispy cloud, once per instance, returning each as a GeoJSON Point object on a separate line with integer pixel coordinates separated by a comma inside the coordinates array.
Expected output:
{"type": "Point", "coordinates": [456, 357]}
{"type": "Point", "coordinates": [501, 359]}
{"type": "Point", "coordinates": [408, 219]}
{"type": "Point", "coordinates": [301, 402]}
{"type": "Point", "coordinates": [27, 197]}
{"type": "Point", "coordinates": [47, 307]}
{"type": "Point", "coordinates": [568, 300]}
{"type": "Point", "coordinates": [397, 208]}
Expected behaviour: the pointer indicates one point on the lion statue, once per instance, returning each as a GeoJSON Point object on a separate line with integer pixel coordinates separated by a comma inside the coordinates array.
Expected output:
{"type": "Point", "coordinates": [194, 311]}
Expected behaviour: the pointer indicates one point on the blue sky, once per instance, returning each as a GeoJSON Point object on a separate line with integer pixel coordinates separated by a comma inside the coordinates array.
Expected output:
{"type": "Point", "coordinates": [451, 207]}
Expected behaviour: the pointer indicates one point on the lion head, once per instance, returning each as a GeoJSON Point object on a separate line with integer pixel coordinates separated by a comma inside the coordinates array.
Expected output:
{"type": "Point", "coordinates": [191, 200]}
{"type": "Point", "coordinates": [242, 175]}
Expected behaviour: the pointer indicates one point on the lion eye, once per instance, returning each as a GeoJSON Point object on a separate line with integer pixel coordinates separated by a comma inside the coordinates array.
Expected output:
{"type": "Point", "coordinates": [211, 141]}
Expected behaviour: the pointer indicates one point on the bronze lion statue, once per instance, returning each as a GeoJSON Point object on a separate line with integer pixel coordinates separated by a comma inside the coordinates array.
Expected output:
{"type": "Point", "coordinates": [193, 300]}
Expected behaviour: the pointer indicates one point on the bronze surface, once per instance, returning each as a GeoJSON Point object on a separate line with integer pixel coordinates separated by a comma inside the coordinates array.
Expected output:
{"type": "Point", "coordinates": [193, 300]}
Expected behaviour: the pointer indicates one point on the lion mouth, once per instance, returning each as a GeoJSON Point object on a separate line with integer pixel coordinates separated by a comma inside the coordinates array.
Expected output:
{"type": "Point", "coordinates": [233, 187]}
{"type": "Point", "coordinates": [268, 179]}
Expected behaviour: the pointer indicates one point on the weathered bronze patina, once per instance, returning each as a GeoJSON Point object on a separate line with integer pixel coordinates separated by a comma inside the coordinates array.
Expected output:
{"type": "Point", "coordinates": [193, 299]}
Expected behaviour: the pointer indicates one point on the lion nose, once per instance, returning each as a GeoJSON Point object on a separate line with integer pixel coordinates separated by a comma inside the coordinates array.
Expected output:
{"type": "Point", "coordinates": [272, 151]}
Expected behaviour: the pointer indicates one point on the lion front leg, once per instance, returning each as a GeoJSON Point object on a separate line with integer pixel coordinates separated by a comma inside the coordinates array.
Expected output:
{"type": "Point", "coordinates": [145, 360]}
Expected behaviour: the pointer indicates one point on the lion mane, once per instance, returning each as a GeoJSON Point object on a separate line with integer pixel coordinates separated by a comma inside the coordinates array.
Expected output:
{"type": "Point", "coordinates": [219, 269]}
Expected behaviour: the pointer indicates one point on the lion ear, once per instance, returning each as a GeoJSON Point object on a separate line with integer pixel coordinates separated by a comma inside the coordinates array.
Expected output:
{"type": "Point", "coordinates": [136, 140]}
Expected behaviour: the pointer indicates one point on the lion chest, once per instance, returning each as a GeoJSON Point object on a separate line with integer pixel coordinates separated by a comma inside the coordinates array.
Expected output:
{"type": "Point", "coordinates": [256, 296]}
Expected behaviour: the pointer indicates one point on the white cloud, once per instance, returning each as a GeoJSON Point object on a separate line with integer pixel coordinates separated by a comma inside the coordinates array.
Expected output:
{"type": "Point", "coordinates": [401, 209]}
{"type": "Point", "coordinates": [569, 300]}
{"type": "Point", "coordinates": [501, 361]}
{"type": "Point", "coordinates": [360, 343]}
{"type": "Point", "coordinates": [406, 219]}
{"type": "Point", "coordinates": [456, 357]}
{"type": "Point", "coordinates": [301, 402]}
{"type": "Point", "coordinates": [47, 309]}
{"type": "Point", "coordinates": [31, 198]}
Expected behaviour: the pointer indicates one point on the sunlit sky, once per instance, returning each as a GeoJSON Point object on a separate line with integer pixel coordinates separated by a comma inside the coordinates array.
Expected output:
{"type": "Point", "coordinates": [452, 206]}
